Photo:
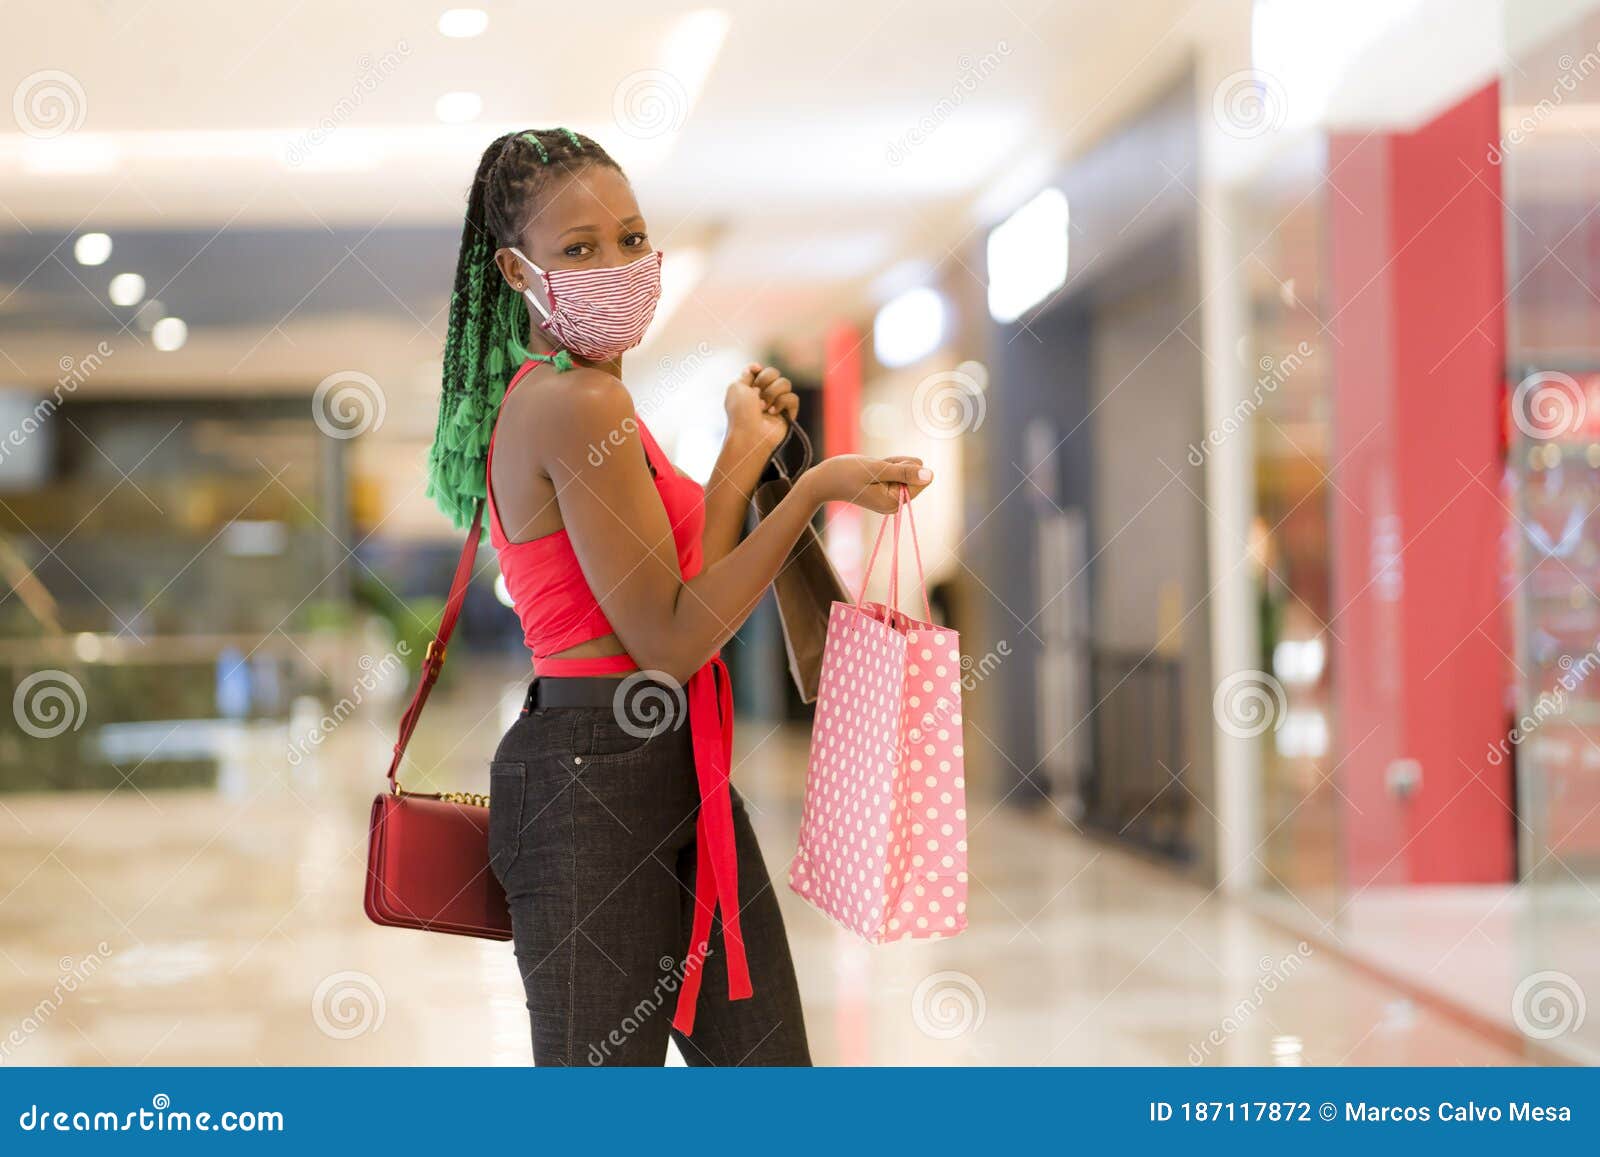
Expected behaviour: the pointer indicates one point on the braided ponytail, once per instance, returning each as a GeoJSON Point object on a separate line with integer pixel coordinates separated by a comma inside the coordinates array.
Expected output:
{"type": "Point", "coordinates": [488, 332]}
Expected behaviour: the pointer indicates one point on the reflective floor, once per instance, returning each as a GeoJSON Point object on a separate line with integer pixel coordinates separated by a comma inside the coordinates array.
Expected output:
{"type": "Point", "coordinates": [226, 927]}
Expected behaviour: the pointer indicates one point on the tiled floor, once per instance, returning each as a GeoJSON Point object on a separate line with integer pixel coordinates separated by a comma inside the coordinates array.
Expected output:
{"type": "Point", "coordinates": [1501, 953]}
{"type": "Point", "coordinates": [226, 927]}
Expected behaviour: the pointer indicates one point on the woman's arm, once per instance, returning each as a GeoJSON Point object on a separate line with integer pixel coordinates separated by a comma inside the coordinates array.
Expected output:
{"type": "Point", "coordinates": [728, 492]}
{"type": "Point", "coordinates": [760, 405]}
{"type": "Point", "coordinates": [614, 518]}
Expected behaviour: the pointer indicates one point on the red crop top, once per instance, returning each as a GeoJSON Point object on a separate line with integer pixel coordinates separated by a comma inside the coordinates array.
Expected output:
{"type": "Point", "coordinates": [548, 589]}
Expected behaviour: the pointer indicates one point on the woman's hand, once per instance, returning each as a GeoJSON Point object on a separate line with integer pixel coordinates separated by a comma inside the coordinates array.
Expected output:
{"type": "Point", "coordinates": [870, 482]}
{"type": "Point", "coordinates": [760, 406]}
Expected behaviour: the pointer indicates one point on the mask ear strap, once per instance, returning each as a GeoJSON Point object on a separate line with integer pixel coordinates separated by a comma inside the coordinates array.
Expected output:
{"type": "Point", "coordinates": [533, 298]}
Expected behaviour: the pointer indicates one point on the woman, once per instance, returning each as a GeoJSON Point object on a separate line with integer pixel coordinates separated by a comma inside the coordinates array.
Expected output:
{"type": "Point", "coordinates": [630, 865]}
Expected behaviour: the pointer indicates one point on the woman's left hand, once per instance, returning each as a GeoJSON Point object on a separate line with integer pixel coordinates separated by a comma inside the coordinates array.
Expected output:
{"type": "Point", "coordinates": [760, 406]}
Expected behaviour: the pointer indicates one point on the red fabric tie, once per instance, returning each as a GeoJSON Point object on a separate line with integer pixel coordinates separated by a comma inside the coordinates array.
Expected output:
{"type": "Point", "coordinates": [716, 882]}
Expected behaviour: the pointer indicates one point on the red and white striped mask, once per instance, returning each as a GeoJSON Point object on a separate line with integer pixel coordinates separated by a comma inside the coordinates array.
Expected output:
{"type": "Point", "coordinates": [598, 314]}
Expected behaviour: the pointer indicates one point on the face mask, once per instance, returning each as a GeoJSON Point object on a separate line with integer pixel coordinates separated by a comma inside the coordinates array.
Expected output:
{"type": "Point", "coordinates": [598, 314]}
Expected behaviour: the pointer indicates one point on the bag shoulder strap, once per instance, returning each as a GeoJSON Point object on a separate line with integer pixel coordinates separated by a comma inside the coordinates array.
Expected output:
{"type": "Point", "coordinates": [433, 660]}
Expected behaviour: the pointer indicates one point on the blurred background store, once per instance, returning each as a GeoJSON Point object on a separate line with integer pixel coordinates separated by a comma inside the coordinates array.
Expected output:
{"type": "Point", "coordinates": [1256, 347]}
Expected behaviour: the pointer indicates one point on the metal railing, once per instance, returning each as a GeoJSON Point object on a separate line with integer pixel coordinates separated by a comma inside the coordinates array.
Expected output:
{"type": "Point", "coordinates": [1134, 787]}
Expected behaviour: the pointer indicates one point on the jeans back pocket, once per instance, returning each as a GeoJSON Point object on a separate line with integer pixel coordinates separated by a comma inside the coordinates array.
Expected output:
{"type": "Point", "coordinates": [508, 786]}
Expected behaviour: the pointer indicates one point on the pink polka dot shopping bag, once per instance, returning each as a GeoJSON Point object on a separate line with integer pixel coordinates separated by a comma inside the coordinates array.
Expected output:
{"type": "Point", "coordinates": [883, 837]}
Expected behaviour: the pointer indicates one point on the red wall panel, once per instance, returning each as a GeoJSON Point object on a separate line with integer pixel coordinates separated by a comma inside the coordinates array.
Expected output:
{"type": "Point", "coordinates": [1418, 282]}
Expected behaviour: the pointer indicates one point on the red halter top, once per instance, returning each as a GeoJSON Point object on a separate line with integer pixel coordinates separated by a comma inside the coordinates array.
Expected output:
{"type": "Point", "coordinates": [558, 611]}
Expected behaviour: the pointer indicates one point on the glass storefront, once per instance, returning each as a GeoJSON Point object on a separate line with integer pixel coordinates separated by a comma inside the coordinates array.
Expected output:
{"type": "Point", "coordinates": [1551, 103]}
{"type": "Point", "coordinates": [1290, 362]}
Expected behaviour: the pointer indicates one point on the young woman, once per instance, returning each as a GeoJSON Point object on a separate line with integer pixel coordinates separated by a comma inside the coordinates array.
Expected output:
{"type": "Point", "coordinates": [639, 901]}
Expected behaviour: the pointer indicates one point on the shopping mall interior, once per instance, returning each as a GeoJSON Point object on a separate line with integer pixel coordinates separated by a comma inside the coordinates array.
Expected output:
{"type": "Point", "coordinates": [1252, 345]}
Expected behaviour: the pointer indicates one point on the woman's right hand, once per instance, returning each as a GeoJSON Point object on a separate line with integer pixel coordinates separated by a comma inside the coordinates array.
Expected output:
{"type": "Point", "coordinates": [870, 482]}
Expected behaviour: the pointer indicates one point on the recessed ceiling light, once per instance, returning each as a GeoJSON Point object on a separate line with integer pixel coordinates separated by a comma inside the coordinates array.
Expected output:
{"type": "Point", "coordinates": [462, 23]}
{"type": "Point", "coordinates": [127, 289]}
{"type": "Point", "coordinates": [169, 334]}
{"type": "Point", "coordinates": [92, 249]}
{"type": "Point", "coordinates": [457, 108]}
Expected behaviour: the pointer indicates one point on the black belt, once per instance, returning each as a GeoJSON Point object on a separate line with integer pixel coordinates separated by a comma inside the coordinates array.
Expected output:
{"type": "Point", "coordinates": [577, 691]}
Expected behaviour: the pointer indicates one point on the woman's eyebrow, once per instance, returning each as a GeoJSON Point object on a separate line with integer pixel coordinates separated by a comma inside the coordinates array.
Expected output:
{"type": "Point", "coordinates": [626, 222]}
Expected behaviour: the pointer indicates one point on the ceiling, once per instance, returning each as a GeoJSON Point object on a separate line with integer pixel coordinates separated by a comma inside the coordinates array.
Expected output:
{"type": "Point", "coordinates": [279, 176]}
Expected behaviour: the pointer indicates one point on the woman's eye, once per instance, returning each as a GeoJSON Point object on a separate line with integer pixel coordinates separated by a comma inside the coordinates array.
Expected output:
{"type": "Point", "coordinates": [634, 240]}
{"type": "Point", "coordinates": [576, 250]}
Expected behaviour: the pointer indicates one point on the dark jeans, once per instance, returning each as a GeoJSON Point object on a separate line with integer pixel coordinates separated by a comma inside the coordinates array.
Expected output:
{"type": "Point", "coordinates": [591, 833]}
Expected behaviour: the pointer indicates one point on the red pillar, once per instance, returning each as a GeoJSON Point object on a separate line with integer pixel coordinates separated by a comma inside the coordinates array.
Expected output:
{"type": "Point", "coordinates": [1417, 282]}
{"type": "Point", "coordinates": [841, 434]}
{"type": "Point", "coordinates": [841, 389]}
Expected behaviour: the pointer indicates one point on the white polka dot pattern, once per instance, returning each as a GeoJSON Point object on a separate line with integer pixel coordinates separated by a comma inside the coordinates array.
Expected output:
{"type": "Point", "coordinates": [883, 837]}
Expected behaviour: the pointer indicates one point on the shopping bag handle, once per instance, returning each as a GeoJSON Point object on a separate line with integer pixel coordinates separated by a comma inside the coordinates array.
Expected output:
{"type": "Point", "coordinates": [795, 432]}
{"type": "Point", "coordinates": [903, 503]}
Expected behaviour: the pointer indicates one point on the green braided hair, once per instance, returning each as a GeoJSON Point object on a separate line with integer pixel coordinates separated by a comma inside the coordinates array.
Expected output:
{"type": "Point", "coordinates": [488, 334]}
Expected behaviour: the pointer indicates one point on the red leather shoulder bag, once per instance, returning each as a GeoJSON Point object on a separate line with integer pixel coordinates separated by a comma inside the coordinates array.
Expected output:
{"type": "Point", "coordinates": [428, 853]}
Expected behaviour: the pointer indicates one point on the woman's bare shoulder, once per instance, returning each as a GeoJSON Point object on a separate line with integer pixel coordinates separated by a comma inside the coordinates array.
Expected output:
{"type": "Point", "coordinates": [553, 412]}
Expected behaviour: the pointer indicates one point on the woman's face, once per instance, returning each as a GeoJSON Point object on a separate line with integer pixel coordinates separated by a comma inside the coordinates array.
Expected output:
{"type": "Point", "coordinates": [588, 221]}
